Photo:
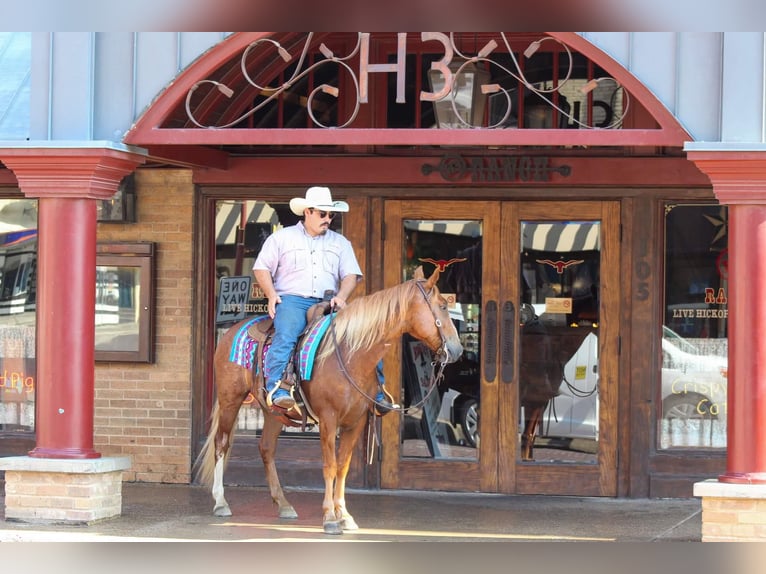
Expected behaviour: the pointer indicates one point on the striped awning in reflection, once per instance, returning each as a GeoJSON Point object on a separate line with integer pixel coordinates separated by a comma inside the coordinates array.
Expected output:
{"type": "Point", "coordinates": [561, 236]}
{"type": "Point", "coordinates": [465, 228]}
{"type": "Point", "coordinates": [229, 217]}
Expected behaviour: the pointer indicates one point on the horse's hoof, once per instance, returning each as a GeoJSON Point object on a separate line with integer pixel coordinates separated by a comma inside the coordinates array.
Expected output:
{"type": "Point", "coordinates": [348, 523]}
{"type": "Point", "coordinates": [222, 510]}
{"type": "Point", "coordinates": [288, 512]}
{"type": "Point", "coordinates": [333, 527]}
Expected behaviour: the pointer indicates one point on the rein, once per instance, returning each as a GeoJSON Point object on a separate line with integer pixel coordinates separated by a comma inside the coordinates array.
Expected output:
{"type": "Point", "coordinates": [434, 378]}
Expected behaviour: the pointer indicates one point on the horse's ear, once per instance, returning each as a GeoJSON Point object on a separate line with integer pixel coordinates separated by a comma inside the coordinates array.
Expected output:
{"type": "Point", "coordinates": [431, 283]}
{"type": "Point", "coordinates": [418, 274]}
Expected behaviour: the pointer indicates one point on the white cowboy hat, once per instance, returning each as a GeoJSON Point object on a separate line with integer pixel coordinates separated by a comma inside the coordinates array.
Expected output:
{"type": "Point", "coordinates": [319, 198]}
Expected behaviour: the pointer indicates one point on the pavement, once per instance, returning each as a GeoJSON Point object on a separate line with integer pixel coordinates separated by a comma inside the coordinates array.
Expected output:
{"type": "Point", "coordinates": [176, 513]}
{"type": "Point", "coordinates": [171, 528]}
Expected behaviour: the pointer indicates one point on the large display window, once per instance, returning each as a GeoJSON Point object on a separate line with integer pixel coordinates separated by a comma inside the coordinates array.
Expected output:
{"type": "Point", "coordinates": [18, 269]}
{"type": "Point", "coordinates": [694, 334]}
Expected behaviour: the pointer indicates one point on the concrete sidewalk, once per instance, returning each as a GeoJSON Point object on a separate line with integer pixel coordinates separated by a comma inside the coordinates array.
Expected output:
{"type": "Point", "coordinates": [162, 512]}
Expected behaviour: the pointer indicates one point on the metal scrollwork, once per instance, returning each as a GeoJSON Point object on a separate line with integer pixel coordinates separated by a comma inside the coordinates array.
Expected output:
{"type": "Point", "coordinates": [463, 63]}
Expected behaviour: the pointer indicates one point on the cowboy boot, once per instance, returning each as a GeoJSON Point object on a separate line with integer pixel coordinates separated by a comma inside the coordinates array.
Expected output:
{"type": "Point", "coordinates": [280, 395]}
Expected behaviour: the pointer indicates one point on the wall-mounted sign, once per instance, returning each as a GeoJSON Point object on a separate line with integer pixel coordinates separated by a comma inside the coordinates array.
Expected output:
{"type": "Point", "coordinates": [455, 167]}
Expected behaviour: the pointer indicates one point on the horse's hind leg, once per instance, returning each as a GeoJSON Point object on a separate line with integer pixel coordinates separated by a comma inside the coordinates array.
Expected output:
{"type": "Point", "coordinates": [221, 507]}
{"type": "Point", "coordinates": [223, 437]}
{"type": "Point", "coordinates": [268, 448]}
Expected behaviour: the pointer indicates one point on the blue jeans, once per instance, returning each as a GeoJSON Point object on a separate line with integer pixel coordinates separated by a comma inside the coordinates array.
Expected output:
{"type": "Point", "coordinates": [289, 322]}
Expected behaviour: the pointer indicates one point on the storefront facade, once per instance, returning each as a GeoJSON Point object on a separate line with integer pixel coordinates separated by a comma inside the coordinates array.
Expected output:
{"type": "Point", "coordinates": [573, 227]}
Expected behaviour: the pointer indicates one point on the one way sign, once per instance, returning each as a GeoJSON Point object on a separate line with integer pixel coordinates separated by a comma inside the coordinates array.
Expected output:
{"type": "Point", "coordinates": [233, 295]}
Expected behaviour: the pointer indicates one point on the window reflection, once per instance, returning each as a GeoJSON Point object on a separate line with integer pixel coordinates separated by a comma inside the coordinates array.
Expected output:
{"type": "Point", "coordinates": [695, 336]}
{"type": "Point", "coordinates": [118, 293]}
{"type": "Point", "coordinates": [18, 297]}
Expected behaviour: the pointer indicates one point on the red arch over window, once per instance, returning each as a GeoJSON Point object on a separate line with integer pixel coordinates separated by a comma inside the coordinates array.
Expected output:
{"type": "Point", "coordinates": [151, 128]}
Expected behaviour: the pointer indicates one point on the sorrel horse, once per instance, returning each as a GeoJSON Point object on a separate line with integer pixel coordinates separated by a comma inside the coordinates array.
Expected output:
{"type": "Point", "coordinates": [339, 394]}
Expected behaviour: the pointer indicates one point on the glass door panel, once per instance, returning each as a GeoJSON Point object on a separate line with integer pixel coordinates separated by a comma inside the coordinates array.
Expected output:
{"type": "Point", "coordinates": [443, 421]}
{"type": "Point", "coordinates": [565, 394]}
{"type": "Point", "coordinates": [558, 357]}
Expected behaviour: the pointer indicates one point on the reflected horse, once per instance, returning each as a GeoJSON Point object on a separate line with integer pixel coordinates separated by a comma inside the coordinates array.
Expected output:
{"type": "Point", "coordinates": [339, 395]}
{"type": "Point", "coordinates": [545, 350]}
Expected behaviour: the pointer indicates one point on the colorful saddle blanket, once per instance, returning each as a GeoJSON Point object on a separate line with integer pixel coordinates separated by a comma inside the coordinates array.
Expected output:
{"type": "Point", "coordinates": [243, 348]}
{"type": "Point", "coordinates": [311, 344]}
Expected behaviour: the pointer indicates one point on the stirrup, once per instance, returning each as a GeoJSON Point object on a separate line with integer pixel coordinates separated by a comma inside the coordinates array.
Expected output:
{"type": "Point", "coordinates": [270, 394]}
{"type": "Point", "coordinates": [384, 409]}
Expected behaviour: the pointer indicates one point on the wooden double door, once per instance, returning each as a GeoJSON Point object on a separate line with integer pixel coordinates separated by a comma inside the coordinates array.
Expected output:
{"type": "Point", "coordinates": [531, 407]}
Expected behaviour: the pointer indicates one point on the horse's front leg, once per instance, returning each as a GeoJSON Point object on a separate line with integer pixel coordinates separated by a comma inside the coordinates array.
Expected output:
{"type": "Point", "coordinates": [348, 440]}
{"type": "Point", "coordinates": [268, 448]}
{"type": "Point", "coordinates": [330, 522]}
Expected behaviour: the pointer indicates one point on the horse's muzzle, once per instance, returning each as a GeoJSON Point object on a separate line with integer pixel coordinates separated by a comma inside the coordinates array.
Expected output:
{"type": "Point", "coordinates": [449, 352]}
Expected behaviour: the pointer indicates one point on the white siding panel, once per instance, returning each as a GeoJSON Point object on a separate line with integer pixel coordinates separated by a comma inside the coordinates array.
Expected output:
{"type": "Point", "coordinates": [194, 44]}
{"type": "Point", "coordinates": [38, 96]}
{"type": "Point", "coordinates": [156, 65]}
{"type": "Point", "coordinates": [699, 84]}
{"type": "Point", "coordinates": [114, 85]}
{"type": "Point", "coordinates": [616, 44]}
{"type": "Point", "coordinates": [743, 97]}
{"type": "Point", "coordinates": [72, 86]}
{"type": "Point", "coordinates": [654, 63]}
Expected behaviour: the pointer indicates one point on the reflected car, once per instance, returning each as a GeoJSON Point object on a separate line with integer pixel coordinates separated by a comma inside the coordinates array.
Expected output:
{"type": "Point", "coordinates": [694, 386]}
{"type": "Point", "coordinates": [694, 383]}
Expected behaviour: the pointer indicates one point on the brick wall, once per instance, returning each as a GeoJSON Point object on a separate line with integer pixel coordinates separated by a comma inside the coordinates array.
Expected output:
{"type": "Point", "coordinates": [144, 410]}
{"type": "Point", "coordinates": [61, 497]}
{"type": "Point", "coordinates": [732, 512]}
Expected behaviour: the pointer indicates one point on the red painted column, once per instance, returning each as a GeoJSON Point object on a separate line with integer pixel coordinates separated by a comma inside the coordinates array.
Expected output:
{"type": "Point", "coordinates": [739, 180]}
{"type": "Point", "coordinates": [746, 430]}
{"type": "Point", "coordinates": [66, 337]}
{"type": "Point", "coordinates": [68, 184]}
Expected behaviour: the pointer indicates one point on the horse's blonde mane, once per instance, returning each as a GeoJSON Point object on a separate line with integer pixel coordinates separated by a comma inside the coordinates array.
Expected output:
{"type": "Point", "coordinates": [367, 320]}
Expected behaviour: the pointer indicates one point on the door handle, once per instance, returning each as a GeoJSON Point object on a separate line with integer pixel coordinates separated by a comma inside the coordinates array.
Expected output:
{"type": "Point", "coordinates": [507, 334]}
{"type": "Point", "coordinates": [489, 327]}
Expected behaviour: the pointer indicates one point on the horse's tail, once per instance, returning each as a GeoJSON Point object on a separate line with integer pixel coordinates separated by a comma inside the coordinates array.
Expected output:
{"type": "Point", "coordinates": [204, 465]}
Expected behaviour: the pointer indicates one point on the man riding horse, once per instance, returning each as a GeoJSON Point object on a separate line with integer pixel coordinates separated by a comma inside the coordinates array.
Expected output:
{"type": "Point", "coordinates": [296, 266]}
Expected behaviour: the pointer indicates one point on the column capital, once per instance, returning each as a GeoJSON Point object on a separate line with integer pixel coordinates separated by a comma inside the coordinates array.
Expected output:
{"type": "Point", "coordinates": [738, 176]}
{"type": "Point", "coordinates": [76, 172]}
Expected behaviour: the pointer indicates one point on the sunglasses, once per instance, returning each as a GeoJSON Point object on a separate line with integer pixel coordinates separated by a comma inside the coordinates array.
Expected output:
{"type": "Point", "coordinates": [324, 214]}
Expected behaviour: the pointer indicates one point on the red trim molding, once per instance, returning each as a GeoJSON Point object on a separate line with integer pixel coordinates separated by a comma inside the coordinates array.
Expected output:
{"type": "Point", "coordinates": [93, 173]}
{"type": "Point", "coordinates": [738, 177]}
{"type": "Point", "coordinates": [618, 172]}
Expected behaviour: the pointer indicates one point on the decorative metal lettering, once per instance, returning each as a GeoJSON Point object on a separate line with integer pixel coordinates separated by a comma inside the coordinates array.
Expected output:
{"type": "Point", "coordinates": [453, 76]}
{"type": "Point", "coordinates": [455, 167]}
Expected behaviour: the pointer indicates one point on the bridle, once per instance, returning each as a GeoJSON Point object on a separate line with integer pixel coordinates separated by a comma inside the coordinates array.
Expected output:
{"type": "Point", "coordinates": [435, 376]}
